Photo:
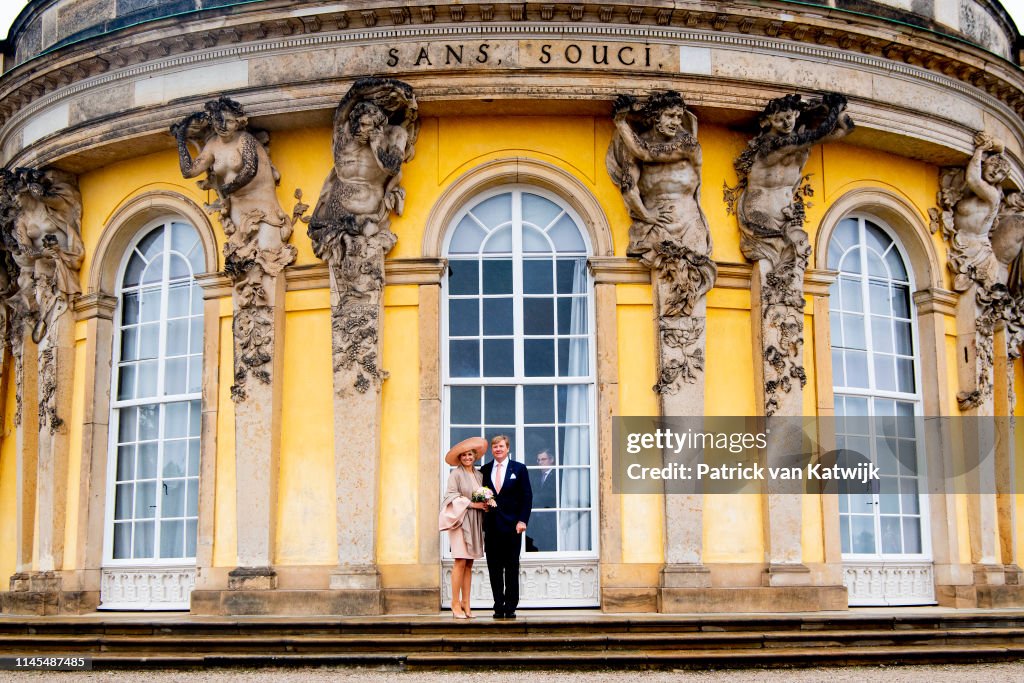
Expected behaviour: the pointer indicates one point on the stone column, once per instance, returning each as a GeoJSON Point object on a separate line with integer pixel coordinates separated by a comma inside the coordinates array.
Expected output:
{"type": "Point", "coordinates": [96, 311]}
{"type": "Point", "coordinates": [47, 227]}
{"type": "Point", "coordinates": [953, 579]}
{"type": "Point", "coordinates": [975, 364]}
{"type": "Point", "coordinates": [770, 215]}
{"type": "Point", "coordinates": [258, 333]}
{"type": "Point", "coordinates": [779, 378]}
{"type": "Point", "coordinates": [1007, 352]}
{"type": "Point", "coordinates": [681, 343]}
{"type": "Point", "coordinates": [376, 125]}
{"type": "Point", "coordinates": [242, 176]}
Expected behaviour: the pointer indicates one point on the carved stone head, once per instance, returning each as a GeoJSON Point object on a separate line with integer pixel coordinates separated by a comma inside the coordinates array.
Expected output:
{"type": "Point", "coordinates": [226, 116]}
{"type": "Point", "coordinates": [781, 114]}
{"type": "Point", "coordinates": [365, 117]}
{"type": "Point", "coordinates": [665, 113]}
{"type": "Point", "coordinates": [995, 168]}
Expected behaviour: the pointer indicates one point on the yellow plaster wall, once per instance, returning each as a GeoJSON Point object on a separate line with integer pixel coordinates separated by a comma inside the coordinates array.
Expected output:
{"type": "Point", "coordinates": [8, 476]}
{"type": "Point", "coordinates": [398, 536]}
{"type": "Point", "coordinates": [75, 427]}
{"type": "Point", "coordinates": [225, 536]}
{"type": "Point", "coordinates": [306, 527]}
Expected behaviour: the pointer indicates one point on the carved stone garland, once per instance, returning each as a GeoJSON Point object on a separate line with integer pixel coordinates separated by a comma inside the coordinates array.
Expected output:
{"type": "Point", "coordinates": [375, 130]}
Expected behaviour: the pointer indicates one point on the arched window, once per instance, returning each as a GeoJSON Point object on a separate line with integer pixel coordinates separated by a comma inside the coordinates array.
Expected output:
{"type": "Point", "coordinates": [153, 482]}
{"type": "Point", "coordinates": [518, 358]}
{"type": "Point", "coordinates": [877, 393]}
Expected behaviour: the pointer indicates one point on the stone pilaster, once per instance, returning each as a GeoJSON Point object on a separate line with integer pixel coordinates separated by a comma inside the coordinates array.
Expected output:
{"type": "Point", "coordinates": [779, 378]}
{"type": "Point", "coordinates": [258, 335]}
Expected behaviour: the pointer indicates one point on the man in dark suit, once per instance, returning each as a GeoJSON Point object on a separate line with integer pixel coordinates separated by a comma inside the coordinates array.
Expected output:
{"type": "Point", "coordinates": [542, 528]}
{"type": "Point", "coordinates": [503, 525]}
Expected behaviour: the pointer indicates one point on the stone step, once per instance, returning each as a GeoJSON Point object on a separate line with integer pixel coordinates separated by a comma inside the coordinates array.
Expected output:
{"type": "Point", "coordinates": [475, 643]}
{"type": "Point", "coordinates": [527, 624]}
{"type": "Point", "coordinates": [575, 659]}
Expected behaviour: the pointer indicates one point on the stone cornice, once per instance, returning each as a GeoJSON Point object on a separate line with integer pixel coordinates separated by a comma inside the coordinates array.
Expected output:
{"type": "Point", "coordinates": [733, 275]}
{"type": "Point", "coordinates": [95, 305]}
{"type": "Point", "coordinates": [825, 34]}
{"type": "Point", "coordinates": [818, 282]}
{"type": "Point", "coordinates": [214, 285]}
{"type": "Point", "coordinates": [935, 300]}
{"type": "Point", "coordinates": [618, 270]}
{"type": "Point", "coordinates": [401, 271]}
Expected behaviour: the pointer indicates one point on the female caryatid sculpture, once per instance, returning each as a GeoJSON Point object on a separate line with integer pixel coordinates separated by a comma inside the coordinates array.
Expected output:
{"type": "Point", "coordinates": [655, 159]}
{"type": "Point", "coordinates": [375, 129]}
{"type": "Point", "coordinates": [984, 232]}
{"type": "Point", "coordinates": [768, 201]}
{"type": "Point", "coordinates": [240, 172]}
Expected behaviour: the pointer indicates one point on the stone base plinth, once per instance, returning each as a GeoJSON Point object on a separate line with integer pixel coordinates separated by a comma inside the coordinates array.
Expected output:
{"type": "Point", "coordinates": [252, 579]}
{"type": "Point", "coordinates": [411, 600]}
{"type": "Point", "coordinates": [777, 575]}
{"type": "Point", "coordinates": [40, 594]}
{"type": "Point", "coordinates": [989, 575]}
{"type": "Point", "coordinates": [288, 602]}
{"type": "Point", "coordinates": [753, 599]}
{"type": "Point", "coordinates": [959, 597]}
{"type": "Point", "coordinates": [629, 600]}
{"type": "Point", "coordinates": [356, 578]}
{"type": "Point", "coordinates": [685, 576]}
{"type": "Point", "coordinates": [1000, 596]}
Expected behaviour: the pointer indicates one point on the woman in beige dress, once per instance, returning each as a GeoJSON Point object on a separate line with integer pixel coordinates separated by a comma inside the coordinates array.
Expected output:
{"type": "Point", "coordinates": [463, 519]}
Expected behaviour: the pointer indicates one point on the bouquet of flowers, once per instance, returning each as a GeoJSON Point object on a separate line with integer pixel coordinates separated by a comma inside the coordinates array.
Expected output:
{"type": "Point", "coordinates": [482, 495]}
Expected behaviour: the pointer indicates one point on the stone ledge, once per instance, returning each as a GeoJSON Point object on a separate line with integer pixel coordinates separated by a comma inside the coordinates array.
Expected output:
{"type": "Point", "coordinates": [765, 599]}
{"type": "Point", "coordinates": [287, 602]}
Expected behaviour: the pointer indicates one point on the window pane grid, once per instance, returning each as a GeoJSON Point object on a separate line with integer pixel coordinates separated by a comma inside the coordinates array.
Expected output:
{"type": "Point", "coordinates": [544, 293]}
{"type": "Point", "coordinates": [156, 408]}
{"type": "Point", "coordinates": [876, 391]}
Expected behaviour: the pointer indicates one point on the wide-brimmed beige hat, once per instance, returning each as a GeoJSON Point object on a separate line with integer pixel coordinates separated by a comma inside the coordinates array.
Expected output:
{"type": "Point", "coordinates": [473, 443]}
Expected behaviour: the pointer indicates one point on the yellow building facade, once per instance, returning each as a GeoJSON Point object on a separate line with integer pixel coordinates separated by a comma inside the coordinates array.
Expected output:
{"type": "Point", "coordinates": [515, 110]}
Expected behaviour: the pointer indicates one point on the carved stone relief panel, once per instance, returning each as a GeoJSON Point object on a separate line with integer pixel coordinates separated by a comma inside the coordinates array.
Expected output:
{"type": "Point", "coordinates": [769, 203]}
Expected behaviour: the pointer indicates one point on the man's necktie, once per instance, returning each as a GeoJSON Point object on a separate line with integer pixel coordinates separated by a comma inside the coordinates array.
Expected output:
{"type": "Point", "coordinates": [497, 478]}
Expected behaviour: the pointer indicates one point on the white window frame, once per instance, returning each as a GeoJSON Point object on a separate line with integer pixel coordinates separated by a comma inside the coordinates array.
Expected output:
{"type": "Point", "coordinates": [519, 379]}
{"type": "Point", "coordinates": [870, 394]}
{"type": "Point", "coordinates": [116, 405]}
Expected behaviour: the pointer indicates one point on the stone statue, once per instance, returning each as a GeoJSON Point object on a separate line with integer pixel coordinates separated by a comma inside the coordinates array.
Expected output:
{"type": "Point", "coordinates": [240, 172]}
{"type": "Point", "coordinates": [769, 204]}
{"type": "Point", "coordinates": [47, 231]}
{"type": "Point", "coordinates": [42, 239]}
{"type": "Point", "coordinates": [14, 311]}
{"type": "Point", "coordinates": [970, 199]}
{"type": "Point", "coordinates": [375, 129]}
{"type": "Point", "coordinates": [655, 159]}
{"type": "Point", "coordinates": [985, 235]}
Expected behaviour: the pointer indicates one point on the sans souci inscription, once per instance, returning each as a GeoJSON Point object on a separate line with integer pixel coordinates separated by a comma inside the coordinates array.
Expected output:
{"type": "Point", "coordinates": [536, 54]}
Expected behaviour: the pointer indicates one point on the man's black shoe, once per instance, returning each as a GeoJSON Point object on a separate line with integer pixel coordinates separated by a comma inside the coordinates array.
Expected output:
{"type": "Point", "coordinates": [510, 615]}
{"type": "Point", "coordinates": [499, 615]}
